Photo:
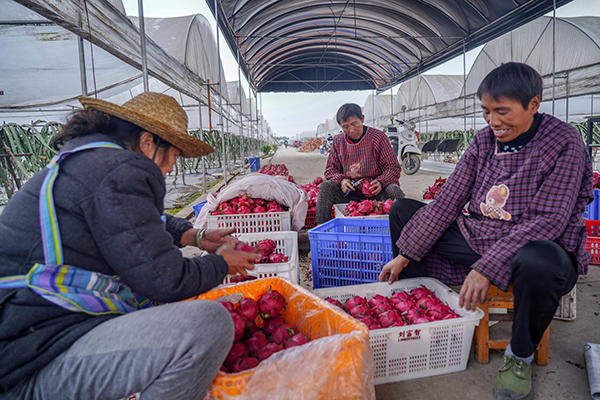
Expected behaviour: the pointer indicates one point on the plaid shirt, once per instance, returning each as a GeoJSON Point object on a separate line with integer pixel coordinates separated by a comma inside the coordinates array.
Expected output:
{"type": "Point", "coordinates": [537, 193]}
{"type": "Point", "coordinates": [371, 158]}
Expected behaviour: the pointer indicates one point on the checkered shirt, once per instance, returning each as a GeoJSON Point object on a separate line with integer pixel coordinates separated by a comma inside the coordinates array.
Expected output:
{"type": "Point", "coordinates": [373, 152]}
{"type": "Point", "coordinates": [549, 183]}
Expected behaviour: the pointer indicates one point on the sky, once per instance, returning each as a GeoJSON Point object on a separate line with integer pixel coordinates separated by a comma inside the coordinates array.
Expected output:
{"type": "Point", "coordinates": [289, 114]}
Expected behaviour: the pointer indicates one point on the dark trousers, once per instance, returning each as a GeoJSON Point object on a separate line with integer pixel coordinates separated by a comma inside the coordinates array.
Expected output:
{"type": "Point", "coordinates": [542, 272]}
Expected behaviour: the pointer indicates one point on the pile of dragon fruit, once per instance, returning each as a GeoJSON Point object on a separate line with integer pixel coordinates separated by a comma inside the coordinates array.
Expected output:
{"type": "Point", "coordinates": [402, 308]}
{"type": "Point", "coordinates": [244, 204]}
{"type": "Point", "coordinates": [266, 248]}
{"type": "Point", "coordinates": [313, 192]}
{"type": "Point", "coordinates": [434, 189]}
{"type": "Point", "coordinates": [368, 207]}
{"type": "Point", "coordinates": [596, 180]}
{"type": "Point", "coordinates": [276, 169]}
{"type": "Point", "coordinates": [260, 331]}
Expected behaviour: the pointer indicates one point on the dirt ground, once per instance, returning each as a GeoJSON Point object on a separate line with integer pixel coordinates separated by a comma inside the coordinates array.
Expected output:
{"type": "Point", "coordinates": [565, 377]}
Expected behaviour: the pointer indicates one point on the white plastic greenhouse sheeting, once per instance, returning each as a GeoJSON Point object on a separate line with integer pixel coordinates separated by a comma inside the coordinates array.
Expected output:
{"type": "Point", "coordinates": [377, 110]}
{"type": "Point", "coordinates": [438, 101]}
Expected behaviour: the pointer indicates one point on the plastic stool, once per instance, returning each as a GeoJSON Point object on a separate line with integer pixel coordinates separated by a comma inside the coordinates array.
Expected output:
{"type": "Point", "coordinates": [499, 299]}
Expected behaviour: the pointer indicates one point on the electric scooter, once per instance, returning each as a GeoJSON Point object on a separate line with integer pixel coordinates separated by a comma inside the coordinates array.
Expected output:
{"type": "Point", "coordinates": [403, 139]}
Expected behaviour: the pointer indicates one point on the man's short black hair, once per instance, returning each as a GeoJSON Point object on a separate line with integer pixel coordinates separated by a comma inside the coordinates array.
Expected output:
{"type": "Point", "coordinates": [348, 110]}
{"type": "Point", "coordinates": [512, 80]}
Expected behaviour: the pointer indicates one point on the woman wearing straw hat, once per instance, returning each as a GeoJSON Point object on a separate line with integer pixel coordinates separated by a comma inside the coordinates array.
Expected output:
{"type": "Point", "coordinates": [85, 243]}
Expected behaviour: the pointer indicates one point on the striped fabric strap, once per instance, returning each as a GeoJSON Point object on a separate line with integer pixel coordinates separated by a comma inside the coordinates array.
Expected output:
{"type": "Point", "coordinates": [49, 224]}
{"type": "Point", "coordinates": [78, 290]}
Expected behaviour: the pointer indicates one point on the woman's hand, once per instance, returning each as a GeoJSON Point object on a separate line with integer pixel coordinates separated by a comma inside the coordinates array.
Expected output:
{"type": "Point", "coordinates": [474, 289]}
{"type": "Point", "coordinates": [392, 269]}
{"type": "Point", "coordinates": [238, 261]}
{"type": "Point", "coordinates": [215, 238]}
{"type": "Point", "coordinates": [346, 185]}
{"type": "Point", "coordinates": [376, 187]}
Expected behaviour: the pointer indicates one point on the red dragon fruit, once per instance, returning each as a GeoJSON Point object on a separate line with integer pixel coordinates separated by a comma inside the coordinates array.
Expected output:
{"type": "Point", "coordinates": [382, 307]}
{"type": "Point", "coordinates": [419, 292]}
{"type": "Point", "coordinates": [266, 246]}
{"type": "Point", "coordinates": [247, 309]}
{"type": "Point", "coordinates": [270, 304]}
{"type": "Point", "coordinates": [356, 214]}
{"type": "Point", "coordinates": [296, 340]}
{"type": "Point", "coordinates": [239, 324]}
{"type": "Point", "coordinates": [334, 302]}
{"type": "Point", "coordinates": [283, 333]}
{"type": "Point", "coordinates": [351, 207]}
{"type": "Point", "coordinates": [258, 210]}
{"type": "Point", "coordinates": [389, 318]}
{"type": "Point", "coordinates": [270, 325]}
{"type": "Point", "coordinates": [354, 301]}
{"type": "Point", "coordinates": [238, 350]}
{"type": "Point", "coordinates": [387, 205]}
{"type": "Point", "coordinates": [269, 350]}
{"type": "Point", "coordinates": [366, 207]}
{"type": "Point", "coordinates": [366, 189]}
{"type": "Point", "coordinates": [277, 258]}
{"type": "Point", "coordinates": [245, 247]}
{"type": "Point", "coordinates": [243, 364]}
{"type": "Point", "coordinates": [375, 300]}
{"type": "Point", "coordinates": [256, 342]}
{"type": "Point", "coordinates": [251, 329]}
{"type": "Point", "coordinates": [228, 305]}
{"type": "Point", "coordinates": [360, 311]}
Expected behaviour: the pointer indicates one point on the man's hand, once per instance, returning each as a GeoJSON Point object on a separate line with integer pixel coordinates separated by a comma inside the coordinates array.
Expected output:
{"type": "Point", "coordinates": [215, 238]}
{"type": "Point", "coordinates": [376, 187]}
{"type": "Point", "coordinates": [391, 270]}
{"type": "Point", "coordinates": [346, 185]}
{"type": "Point", "coordinates": [474, 289]}
{"type": "Point", "coordinates": [238, 261]}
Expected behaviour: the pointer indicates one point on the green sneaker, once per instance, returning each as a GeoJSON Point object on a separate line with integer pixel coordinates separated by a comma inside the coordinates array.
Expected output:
{"type": "Point", "coordinates": [513, 381]}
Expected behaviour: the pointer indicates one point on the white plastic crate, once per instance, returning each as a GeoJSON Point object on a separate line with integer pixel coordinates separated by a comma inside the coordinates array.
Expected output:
{"type": "Point", "coordinates": [250, 223]}
{"type": "Point", "coordinates": [567, 309]}
{"type": "Point", "coordinates": [416, 351]}
{"type": "Point", "coordinates": [339, 213]}
{"type": "Point", "coordinates": [287, 243]}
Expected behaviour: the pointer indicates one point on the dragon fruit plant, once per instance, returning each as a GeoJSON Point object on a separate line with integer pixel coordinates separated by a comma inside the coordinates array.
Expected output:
{"type": "Point", "coordinates": [419, 306]}
{"type": "Point", "coordinates": [260, 332]}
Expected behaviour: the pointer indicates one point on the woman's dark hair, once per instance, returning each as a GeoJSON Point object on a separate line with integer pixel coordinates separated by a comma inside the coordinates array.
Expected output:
{"type": "Point", "coordinates": [348, 110]}
{"type": "Point", "coordinates": [87, 122]}
{"type": "Point", "coordinates": [512, 80]}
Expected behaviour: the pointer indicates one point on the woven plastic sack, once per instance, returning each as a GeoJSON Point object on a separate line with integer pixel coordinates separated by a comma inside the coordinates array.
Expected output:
{"type": "Point", "coordinates": [336, 364]}
{"type": "Point", "coordinates": [262, 186]}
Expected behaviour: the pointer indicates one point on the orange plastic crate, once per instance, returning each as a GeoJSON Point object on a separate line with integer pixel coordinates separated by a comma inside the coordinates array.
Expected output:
{"type": "Point", "coordinates": [337, 363]}
{"type": "Point", "coordinates": [592, 243]}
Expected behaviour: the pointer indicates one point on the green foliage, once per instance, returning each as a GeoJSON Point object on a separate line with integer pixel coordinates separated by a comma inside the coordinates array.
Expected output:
{"type": "Point", "coordinates": [465, 137]}
{"type": "Point", "coordinates": [266, 149]}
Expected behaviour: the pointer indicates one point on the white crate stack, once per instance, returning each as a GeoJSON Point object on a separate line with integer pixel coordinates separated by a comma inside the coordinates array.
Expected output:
{"type": "Point", "coordinates": [252, 223]}
{"type": "Point", "coordinates": [287, 244]}
{"type": "Point", "coordinates": [416, 351]}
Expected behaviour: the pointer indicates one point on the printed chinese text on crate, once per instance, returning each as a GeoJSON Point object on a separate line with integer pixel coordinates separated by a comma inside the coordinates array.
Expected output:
{"type": "Point", "coordinates": [287, 244]}
{"type": "Point", "coordinates": [416, 351]}
{"type": "Point", "coordinates": [250, 223]}
{"type": "Point", "coordinates": [336, 364]}
{"type": "Point", "coordinates": [347, 251]}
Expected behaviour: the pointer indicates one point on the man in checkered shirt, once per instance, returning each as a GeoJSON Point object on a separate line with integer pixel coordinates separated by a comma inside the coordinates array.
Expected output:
{"type": "Point", "coordinates": [360, 152]}
{"type": "Point", "coordinates": [527, 178]}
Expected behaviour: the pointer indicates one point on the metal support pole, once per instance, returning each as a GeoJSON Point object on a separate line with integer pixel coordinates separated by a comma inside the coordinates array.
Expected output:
{"type": "Point", "coordinates": [419, 98]}
{"type": "Point", "coordinates": [223, 152]}
{"type": "Point", "coordinates": [143, 43]}
{"type": "Point", "coordinates": [82, 71]}
{"type": "Point", "coordinates": [567, 99]}
{"type": "Point", "coordinates": [203, 158]}
{"type": "Point", "coordinates": [464, 92]}
{"type": "Point", "coordinates": [553, 53]}
{"type": "Point", "coordinates": [242, 152]}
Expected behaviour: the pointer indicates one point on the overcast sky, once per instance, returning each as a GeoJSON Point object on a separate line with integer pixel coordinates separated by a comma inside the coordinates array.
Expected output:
{"type": "Point", "coordinates": [289, 114]}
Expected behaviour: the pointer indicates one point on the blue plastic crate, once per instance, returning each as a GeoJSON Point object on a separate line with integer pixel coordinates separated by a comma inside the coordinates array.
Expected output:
{"type": "Point", "coordinates": [254, 164]}
{"type": "Point", "coordinates": [198, 207]}
{"type": "Point", "coordinates": [592, 210]}
{"type": "Point", "coordinates": [347, 251]}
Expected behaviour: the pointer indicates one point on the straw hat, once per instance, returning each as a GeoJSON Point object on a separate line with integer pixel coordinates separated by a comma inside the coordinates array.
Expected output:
{"type": "Point", "coordinates": [156, 113]}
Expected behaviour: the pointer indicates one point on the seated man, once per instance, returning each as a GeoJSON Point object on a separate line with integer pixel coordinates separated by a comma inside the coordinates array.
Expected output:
{"type": "Point", "coordinates": [361, 152]}
{"type": "Point", "coordinates": [527, 178]}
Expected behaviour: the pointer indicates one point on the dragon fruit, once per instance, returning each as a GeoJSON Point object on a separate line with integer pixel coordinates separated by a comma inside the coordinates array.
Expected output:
{"type": "Point", "coordinates": [270, 325]}
{"type": "Point", "coordinates": [239, 324]}
{"type": "Point", "coordinates": [296, 340]}
{"type": "Point", "coordinates": [258, 210]}
{"type": "Point", "coordinates": [269, 350]}
{"type": "Point", "coordinates": [228, 305]}
{"type": "Point", "coordinates": [334, 302]}
{"type": "Point", "coordinates": [360, 311]}
{"type": "Point", "coordinates": [283, 333]}
{"type": "Point", "coordinates": [277, 258]}
{"type": "Point", "coordinates": [244, 210]}
{"type": "Point", "coordinates": [266, 246]}
{"type": "Point", "coordinates": [247, 309]}
{"type": "Point", "coordinates": [366, 189]}
{"type": "Point", "coordinates": [245, 248]}
{"type": "Point", "coordinates": [238, 350]}
{"type": "Point", "coordinates": [356, 214]}
{"type": "Point", "coordinates": [243, 364]}
{"type": "Point", "coordinates": [419, 292]}
{"type": "Point", "coordinates": [251, 329]}
{"type": "Point", "coordinates": [366, 207]}
{"type": "Point", "coordinates": [387, 205]}
{"type": "Point", "coordinates": [354, 301]}
{"type": "Point", "coordinates": [256, 342]}
{"type": "Point", "coordinates": [270, 304]}
{"type": "Point", "coordinates": [389, 318]}
{"type": "Point", "coordinates": [352, 207]}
